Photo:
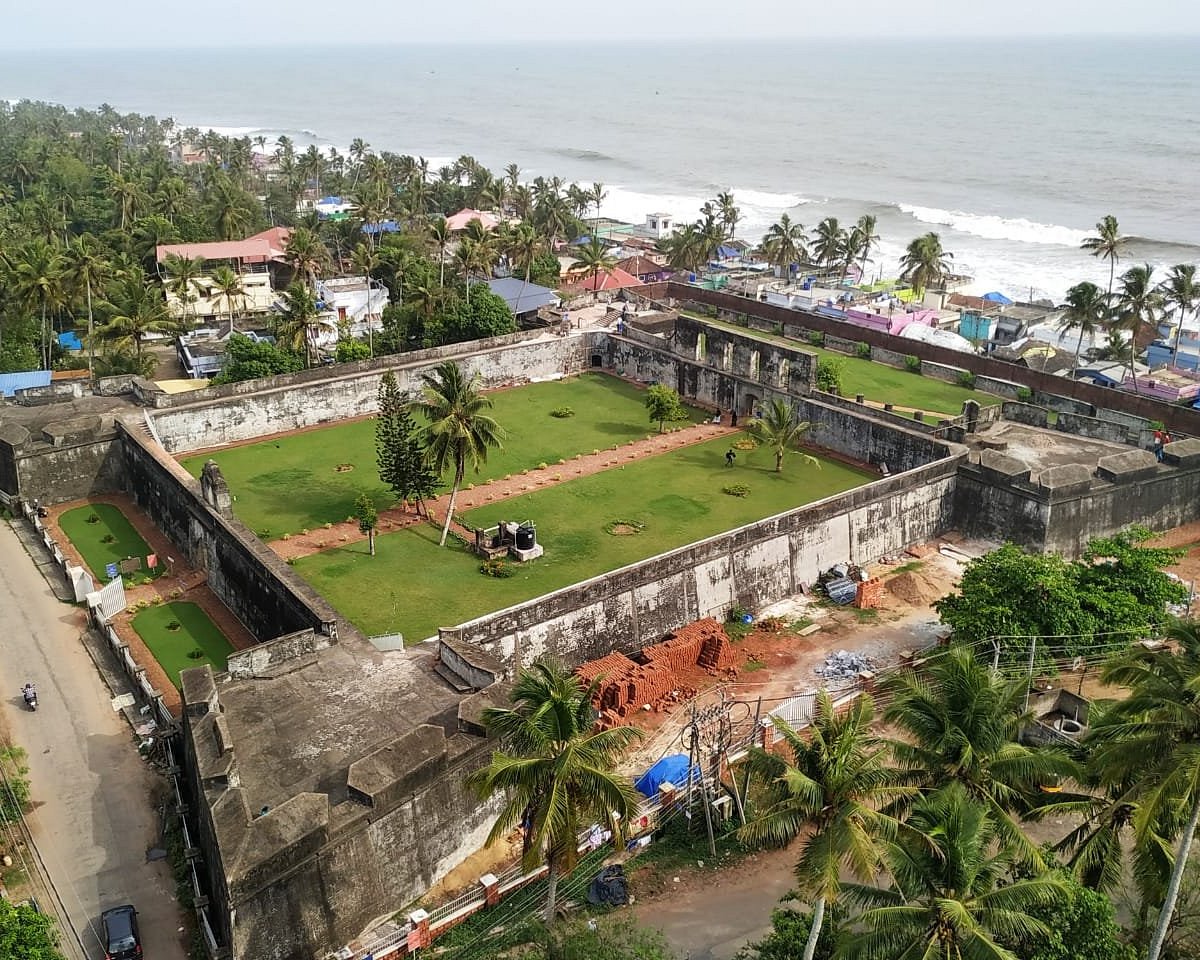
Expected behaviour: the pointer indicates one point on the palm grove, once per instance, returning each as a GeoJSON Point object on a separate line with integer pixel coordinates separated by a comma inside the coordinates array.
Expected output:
{"type": "Point", "coordinates": [910, 812]}
{"type": "Point", "coordinates": [86, 197]}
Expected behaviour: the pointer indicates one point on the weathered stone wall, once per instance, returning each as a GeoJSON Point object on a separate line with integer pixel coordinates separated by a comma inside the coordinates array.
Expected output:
{"type": "Point", "coordinates": [267, 657]}
{"type": "Point", "coordinates": [752, 566]}
{"type": "Point", "coordinates": [347, 392]}
{"type": "Point", "coordinates": [261, 590]}
{"type": "Point", "coordinates": [68, 460]}
{"type": "Point", "coordinates": [308, 875]}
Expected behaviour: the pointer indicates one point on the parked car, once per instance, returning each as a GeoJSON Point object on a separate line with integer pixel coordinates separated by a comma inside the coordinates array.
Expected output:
{"type": "Point", "coordinates": [121, 939]}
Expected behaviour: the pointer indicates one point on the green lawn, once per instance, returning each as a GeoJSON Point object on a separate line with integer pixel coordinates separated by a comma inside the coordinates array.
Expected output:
{"type": "Point", "coordinates": [108, 539]}
{"type": "Point", "coordinates": [292, 483]}
{"type": "Point", "coordinates": [881, 383]}
{"type": "Point", "coordinates": [171, 647]}
{"type": "Point", "coordinates": [413, 586]}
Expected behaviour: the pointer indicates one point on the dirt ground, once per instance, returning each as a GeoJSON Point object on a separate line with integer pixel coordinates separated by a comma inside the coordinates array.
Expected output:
{"type": "Point", "coordinates": [181, 582]}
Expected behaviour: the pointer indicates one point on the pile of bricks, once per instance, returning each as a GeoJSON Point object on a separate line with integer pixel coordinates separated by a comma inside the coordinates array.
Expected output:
{"type": "Point", "coordinates": [870, 594]}
{"type": "Point", "coordinates": [626, 686]}
{"type": "Point", "coordinates": [611, 671]}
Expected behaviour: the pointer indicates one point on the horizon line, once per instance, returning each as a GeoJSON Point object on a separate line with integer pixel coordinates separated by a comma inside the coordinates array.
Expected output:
{"type": "Point", "coordinates": [639, 41]}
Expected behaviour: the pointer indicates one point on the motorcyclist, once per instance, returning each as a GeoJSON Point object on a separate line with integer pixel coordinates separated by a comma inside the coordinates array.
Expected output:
{"type": "Point", "coordinates": [30, 694]}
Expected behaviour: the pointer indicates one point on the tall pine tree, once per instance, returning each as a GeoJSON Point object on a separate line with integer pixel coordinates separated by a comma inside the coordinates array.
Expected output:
{"type": "Point", "coordinates": [398, 449]}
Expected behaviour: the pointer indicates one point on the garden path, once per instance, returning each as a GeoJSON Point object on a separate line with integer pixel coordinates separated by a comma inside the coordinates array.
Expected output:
{"type": "Point", "coordinates": [583, 465]}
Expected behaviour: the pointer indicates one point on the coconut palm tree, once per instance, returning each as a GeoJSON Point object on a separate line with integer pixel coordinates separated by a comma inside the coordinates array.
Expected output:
{"type": "Point", "coordinates": [958, 723]}
{"type": "Point", "coordinates": [39, 280]}
{"type": "Point", "coordinates": [950, 893]}
{"type": "Point", "coordinates": [137, 310]}
{"type": "Point", "coordinates": [295, 327]}
{"type": "Point", "coordinates": [1107, 244]}
{"type": "Point", "coordinates": [594, 257]}
{"type": "Point", "coordinates": [1151, 739]}
{"type": "Point", "coordinates": [438, 229]}
{"type": "Point", "coordinates": [925, 264]}
{"type": "Point", "coordinates": [557, 774]}
{"type": "Point", "coordinates": [365, 260]}
{"type": "Point", "coordinates": [684, 249]}
{"type": "Point", "coordinates": [1087, 311]}
{"type": "Point", "coordinates": [458, 431]}
{"type": "Point", "coordinates": [829, 242]}
{"type": "Point", "coordinates": [863, 240]}
{"type": "Point", "coordinates": [831, 789]}
{"type": "Point", "coordinates": [88, 270]}
{"type": "Point", "coordinates": [784, 244]}
{"type": "Point", "coordinates": [597, 196]}
{"type": "Point", "coordinates": [729, 213]}
{"type": "Point", "coordinates": [781, 429]}
{"type": "Point", "coordinates": [1180, 295]}
{"type": "Point", "coordinates": [306, 254]}
{"type": "Point", "coordinates": [230, 287]}
{"type": "Point", "coordinates": [1136, 305]}
{"type": "Point", "coordinates": [182, 274]}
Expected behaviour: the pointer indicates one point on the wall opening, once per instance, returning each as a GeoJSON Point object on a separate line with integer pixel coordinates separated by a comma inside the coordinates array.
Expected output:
{"type": "Point", "coordinates": [597, 360]}
{"type": "Point", "coordinates": [702, 348]}
{"type": "Point", "coordinates": [785, 372]}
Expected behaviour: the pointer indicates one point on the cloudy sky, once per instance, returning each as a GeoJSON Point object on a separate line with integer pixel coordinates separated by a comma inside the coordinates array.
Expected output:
{"type": "Point", "coordinates": [162, 23]}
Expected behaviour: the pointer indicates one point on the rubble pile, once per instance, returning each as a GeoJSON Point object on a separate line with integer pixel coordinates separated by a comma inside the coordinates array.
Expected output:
{"type": "Point", "coordinates": [844, 665]}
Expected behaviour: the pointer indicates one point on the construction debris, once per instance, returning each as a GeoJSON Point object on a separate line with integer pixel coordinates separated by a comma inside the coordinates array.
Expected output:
{"type": "Point", "coordinates": [844, 665]}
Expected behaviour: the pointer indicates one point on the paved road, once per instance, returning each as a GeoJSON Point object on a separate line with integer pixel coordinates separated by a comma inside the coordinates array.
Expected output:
{"type": "Point", "coordinates": [93, 816]}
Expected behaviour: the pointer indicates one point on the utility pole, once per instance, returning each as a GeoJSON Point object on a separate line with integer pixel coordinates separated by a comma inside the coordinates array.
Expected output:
{"type": "Point", "coordinates": [1029, 679]}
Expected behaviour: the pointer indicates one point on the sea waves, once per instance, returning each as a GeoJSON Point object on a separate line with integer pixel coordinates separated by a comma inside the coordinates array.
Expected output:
{"type": "Point", "coordinates": [991, 227]}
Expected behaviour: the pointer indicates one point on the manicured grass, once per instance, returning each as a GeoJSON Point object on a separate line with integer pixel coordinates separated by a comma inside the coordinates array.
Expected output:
{"type": "Point", "coordinates": [881, 383]}
{"type": "Point", "coordinates": [89, 538]}
{"type": "Point", "coordinates": [292, 483]}
{"type": "Point", "coordinates": [413, 586]}
{"type": "Point", "coordinates": [171, 647]}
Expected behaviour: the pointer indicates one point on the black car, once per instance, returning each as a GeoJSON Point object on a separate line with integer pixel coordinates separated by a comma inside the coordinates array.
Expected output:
{"type": "Point", "coordinates": [121, 940]}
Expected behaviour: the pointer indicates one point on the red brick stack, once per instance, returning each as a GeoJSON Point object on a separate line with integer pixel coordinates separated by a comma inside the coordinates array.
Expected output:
{"type": "Point", "coordinates": [611, 670]}
{"type": "Point", "coordinates": [626, 686]}
{"type": "Point", "coordinates": [869, 594]}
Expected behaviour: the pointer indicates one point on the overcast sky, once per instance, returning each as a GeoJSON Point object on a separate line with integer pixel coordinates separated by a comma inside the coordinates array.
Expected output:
{"type": "Point", "coordinates": [162, 23]}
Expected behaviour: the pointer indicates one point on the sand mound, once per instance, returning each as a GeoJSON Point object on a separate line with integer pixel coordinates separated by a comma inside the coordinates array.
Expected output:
{"type": "Point", "coordinates": [915, 588]}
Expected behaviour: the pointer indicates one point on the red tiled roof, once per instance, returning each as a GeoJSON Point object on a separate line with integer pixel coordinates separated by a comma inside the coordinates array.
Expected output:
{"type": "Point", "coordinates": [614, 280]}
{"type": "Point", "coordinates": [268, 245]}
{"type": "Point", "coordinates": [640, 266]}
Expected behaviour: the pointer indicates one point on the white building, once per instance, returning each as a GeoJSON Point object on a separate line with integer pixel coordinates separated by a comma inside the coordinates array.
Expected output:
{"type": "Point", "coordinates": [356, 302]}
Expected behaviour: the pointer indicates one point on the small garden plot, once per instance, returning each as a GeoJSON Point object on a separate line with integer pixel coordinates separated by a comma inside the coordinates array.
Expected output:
{"type": "Point", "coordinates": [103, 534]}
{"type": "Point", "coordinates": [181, 636]}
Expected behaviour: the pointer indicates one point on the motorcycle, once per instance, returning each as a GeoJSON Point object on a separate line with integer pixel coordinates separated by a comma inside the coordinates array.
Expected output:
{"type": "Point", "coordinates": [30, 695]}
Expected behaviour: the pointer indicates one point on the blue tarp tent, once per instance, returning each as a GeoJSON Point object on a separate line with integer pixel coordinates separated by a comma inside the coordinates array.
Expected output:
{"type": "Point", "coordinates": [996, 297]}
{"type": "Point", "coordinates": [728, 253]}
{"type": "Point", "coordinates": [672, 768]}
{"type": "Point", "coordinates": [70, 341]}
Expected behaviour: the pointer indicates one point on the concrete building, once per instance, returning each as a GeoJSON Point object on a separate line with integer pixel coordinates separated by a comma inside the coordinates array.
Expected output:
{"type": "Point", "coordinates": [524, 300]}
{"type": "Point", "coordinates": [356, 303]}
{"type": "Point", "coordinates": [257, 261]}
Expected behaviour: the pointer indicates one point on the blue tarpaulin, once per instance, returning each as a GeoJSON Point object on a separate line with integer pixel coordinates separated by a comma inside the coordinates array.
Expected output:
{"type": "Point", "coordinates": [70, 341]}
{"type": "Point", "coordinates": [671, 769]}
{"type": "Point", "coordinates": [996, 297]}
{"type": "Point", "coordinates": [728, 253]}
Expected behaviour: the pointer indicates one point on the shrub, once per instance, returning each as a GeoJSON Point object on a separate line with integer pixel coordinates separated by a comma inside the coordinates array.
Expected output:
{"type": "Point", "coordinates": [863, 351]}
{"type": "Point", "coordinates": [543, 465]}
{"type": "Point", "coordinates": [1024, 394]}
{"type": "Point", "coordinates": [829, 375]}
{"type": "Point", "coordinates": [108, 538]}
{"type": "Point", "coordinates": [816, 338]}
{"type": "Point", "coordinates": [966, 379]}
{"type": "Point", "coordinates": [912, 363]}
{"type": "Point", "coordinates": [196, 654]}
{"type": "Point", "coordinates": [497, 567]}
{"type": "Point", "coordinates": [562, 412]}
{"type": "Point", "coordinates": [173, 625]}
{"type": "Point", "coordinates": [93, 518]}
{"type": "Point", "coordinates": [736, 490]}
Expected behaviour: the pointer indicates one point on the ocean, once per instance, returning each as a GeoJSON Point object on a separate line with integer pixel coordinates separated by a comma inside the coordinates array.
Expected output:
{"type": "Point", "coordinates": [1011, 149]}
